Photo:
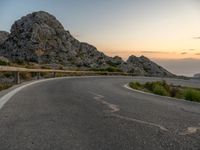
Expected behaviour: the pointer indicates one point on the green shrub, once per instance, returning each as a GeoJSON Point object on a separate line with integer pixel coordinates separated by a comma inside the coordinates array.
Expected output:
{"type": "Point", "coordinates": [6, 75]}
{"type": "Point", "coordinates": [108, 69]}
{"type": "Point", "coordinates": [148, 86]}
{"type": "Point", "coordinates": [113, 69]}
{"type": "Point", "coordinates": [151, 85]}
{"type": "Point", "coordinates": [174, 92]}
{"type": "Point", "coordinates": [3, 63]}
{"type": "Point", "coordinates": [192, 95]}
{"type": "Point", "coordinates": [26, 75]}
{"type": "Point", "coordinates": [46, 67]}
{"type": "Point", "coordinates": [160, 90]}
{"type": "Point", "coordinates": [164, 89]}
{"type": "Point", "coordinates": [165, 85]}
{"type": "Point", "coordinates": [135, 85]}
{"type": "Point", "coordinates": [4, 86]}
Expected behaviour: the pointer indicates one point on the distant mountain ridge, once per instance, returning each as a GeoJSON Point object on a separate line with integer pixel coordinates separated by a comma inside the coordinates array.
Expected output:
{"type": "Point", "coordinates": [40, 38]}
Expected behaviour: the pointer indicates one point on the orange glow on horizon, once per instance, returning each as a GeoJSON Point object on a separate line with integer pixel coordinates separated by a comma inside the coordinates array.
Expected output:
{"type": "Point", "coordinates": [154, 54]}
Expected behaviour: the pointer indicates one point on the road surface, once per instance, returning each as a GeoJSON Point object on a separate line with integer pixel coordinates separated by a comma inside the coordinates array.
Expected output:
{"type": "Point", "coordinates": [97, 113]}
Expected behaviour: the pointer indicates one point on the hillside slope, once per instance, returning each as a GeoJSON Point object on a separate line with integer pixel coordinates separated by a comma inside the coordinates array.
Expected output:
{"type": "Point", "coordinates": [40, 38]}
{"type": "Point", "coordinates": [3, 36]}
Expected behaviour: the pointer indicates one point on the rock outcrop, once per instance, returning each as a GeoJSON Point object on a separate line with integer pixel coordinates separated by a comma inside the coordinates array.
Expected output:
{"type": "Point", "coordinates": [197, 75]}
{"type": "Point", "coordinates": [3, 36]}
{"type": "Point", "coordinates": [143, 66]}
{"type": "Point", "coordinates": [40, 38]}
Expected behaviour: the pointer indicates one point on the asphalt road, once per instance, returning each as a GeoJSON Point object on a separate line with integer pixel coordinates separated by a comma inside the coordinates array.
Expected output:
{"type": "Point", "coordinates": [98, 113]}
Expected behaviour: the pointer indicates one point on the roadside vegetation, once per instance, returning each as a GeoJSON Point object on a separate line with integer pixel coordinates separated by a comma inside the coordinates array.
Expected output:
{"type": "Point", "coordinates": [108, 69]}
{"type": "Point", "coordinates": [7, 79]}
{"type": "Point", "coordinates": [4, 86]}
{"type": "Point", "coordinates": [164, 89]}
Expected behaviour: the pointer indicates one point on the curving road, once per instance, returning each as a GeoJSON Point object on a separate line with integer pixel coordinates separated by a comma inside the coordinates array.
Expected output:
{"type": "Point", "coordinates": [98, 113]}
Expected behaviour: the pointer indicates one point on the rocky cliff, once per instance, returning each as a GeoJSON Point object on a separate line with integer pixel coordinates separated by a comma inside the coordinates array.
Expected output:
{"type": "Point", "coordinates": [143, 66]}
{"type": "Point", "coordinates": [3, 36]}
{"type": "Point", "coordinates": [40, 38]}
{"type": "Point", "coordinates": [197, 75]}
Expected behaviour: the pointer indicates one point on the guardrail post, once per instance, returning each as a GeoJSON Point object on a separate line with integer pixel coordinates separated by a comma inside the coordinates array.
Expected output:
{"type": "Point", "coordinates": [54, 74]}
{"type": "Point", "coordinates": [17, 78]}
{"type": "Point", "coordinates": [38, 75]}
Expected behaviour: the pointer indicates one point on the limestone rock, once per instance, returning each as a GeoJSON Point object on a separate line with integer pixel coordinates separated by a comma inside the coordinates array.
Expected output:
{"type": "Point", "coordinates": [40, 38]}
{"type": "Point", "coordinates": [3, 36]}
{"type": "Point", "coordinates": [197, 75]}
{"type": "Point", "coordinates": [143, 66]}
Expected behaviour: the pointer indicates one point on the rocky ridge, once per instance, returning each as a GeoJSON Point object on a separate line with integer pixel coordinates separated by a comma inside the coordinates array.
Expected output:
{"type": "Point", "coordinates": [40, 38]}
{"type": "Point", "coordinates": [3, 36]}
{"type": "Point", "coordinates": [197, 75]}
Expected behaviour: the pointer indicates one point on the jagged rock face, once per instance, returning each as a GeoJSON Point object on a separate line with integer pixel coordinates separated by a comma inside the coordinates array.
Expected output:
{"type": "Point", "coordinates": [40, 38]}
{"type": "Point", "coordinates": [197, 75]}
{"type": "Point", "coordinates": [144, 66]}
{"type": "Point", "coordinates": [3, 36]}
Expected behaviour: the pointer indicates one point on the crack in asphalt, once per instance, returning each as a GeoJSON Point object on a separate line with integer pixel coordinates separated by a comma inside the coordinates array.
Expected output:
{"type": "Point", "coordinates": [114, 108]}
{"type": "Point", "coordinates": [189, 130]}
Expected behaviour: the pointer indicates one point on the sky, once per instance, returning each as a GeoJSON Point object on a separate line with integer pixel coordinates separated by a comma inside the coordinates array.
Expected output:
{"type": "Point", "coordinates": [163, 30]}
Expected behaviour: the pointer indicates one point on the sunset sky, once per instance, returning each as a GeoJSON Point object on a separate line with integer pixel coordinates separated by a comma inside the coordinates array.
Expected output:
{"type": "Point", "coordinates": [158, 29]}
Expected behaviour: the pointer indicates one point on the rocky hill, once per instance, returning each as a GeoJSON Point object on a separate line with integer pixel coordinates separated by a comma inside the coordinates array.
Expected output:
{"type": "Point", "coordinates": [3, 36]}
{"type": "Point", "coordinates": [197, 75]}
{"type": "Point", "coordinates": [40, 38]}
{"type": "Point", "coordinates": [143, 66]}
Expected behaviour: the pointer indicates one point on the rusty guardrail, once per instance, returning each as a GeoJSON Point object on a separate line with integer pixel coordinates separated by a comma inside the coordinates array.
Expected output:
{"type": "Point", "coordinates": [17, 71]}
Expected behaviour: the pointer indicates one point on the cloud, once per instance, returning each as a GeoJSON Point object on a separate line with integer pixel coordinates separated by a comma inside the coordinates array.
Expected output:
{"type": "Point", "coordinates": [183, 53]}
{"type": "Point", "coordinates": [154, 52]}
{"type": "Point", "coordinates": [190, 49]}
{"type": "Point", "coordinates": [138, 51]}
{"type": "Point", "coordinates": [197, 37]}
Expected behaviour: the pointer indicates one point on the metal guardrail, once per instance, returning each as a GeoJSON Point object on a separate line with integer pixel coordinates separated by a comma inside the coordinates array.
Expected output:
{"type": "Point", "coordinates": [17, 71]}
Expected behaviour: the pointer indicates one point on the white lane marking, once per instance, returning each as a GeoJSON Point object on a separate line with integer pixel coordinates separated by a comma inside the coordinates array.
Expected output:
{"type": "Point", "coordinates": [190, 130]}
{"type": "Point", "coordinates": [6, 97]}
{"type": "Point", "coordinates": [114, 108]}
{"type": "Point", "coordinates": [128, 87]}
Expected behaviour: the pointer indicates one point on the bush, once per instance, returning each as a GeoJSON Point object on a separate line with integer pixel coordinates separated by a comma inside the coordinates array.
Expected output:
{"type": "Point", "coordinates": [26, 75]}
{"type": "Point", "coordinates": [192, 95]}
{"type": "Point", "coordinates": [6, 75]}
{"type": "Point", "coordinates": [164, 89]}
{"type": "Point", "coordinates": [160, 90]}
{"type": "Point", "coordinates": [3, 63]}
{"type": "Point", "coordinates": [108, 69]}
{"type": "Point", "coordinates": [4, 86]}
{"type": "Point", "coordinates": [174, 92]}
{"type": "Point", "coordinates": [165, 85]}
{"type": "Point", "coordinates": [148, 86]}
{"type": "Point", "coordinates": [135, 85]}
